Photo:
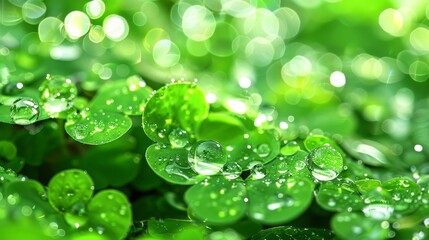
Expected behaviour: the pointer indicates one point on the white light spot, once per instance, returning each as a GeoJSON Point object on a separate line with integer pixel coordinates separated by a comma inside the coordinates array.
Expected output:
{"type": "Point", "coordinates": [337, 79]}
{"type": "Point", "coordinates": [211, 98]}
{"type": "Point", "coordinates": [19, 85]}
{"type": "Point", "coordinates": [284, 125]}
{"type": "Point", "coordinates": [236, 106]}
{"type": "Point", "coordinates": [115, 27]}
{"type": "Point", "coordinates": [418, 148]}
{"type": "Point", "coordinates": [244, 82]}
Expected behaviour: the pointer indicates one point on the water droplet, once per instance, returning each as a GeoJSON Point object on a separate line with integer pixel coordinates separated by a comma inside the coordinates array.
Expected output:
{"type": "Point", "coordinates": [12, 89]}
{"type": "Point", "coordinates": [378, 211]}
{"type": "Point", "coordinates": [24, 111]}
{"type": "Point", "coordinates": [178, 138]}
{"type": "Point", "coordinates": [57, 94]}
{"type": "Point", "coordinates": [299, 165]}
{"type": "Point", "coordinates": [278, 201]}
{"type": "Point", "coordinates": [325, 163]}
{"type": "Point", "coordinates": [290, 148]}
{"type": "Point", "coordinates": [161, 133]}
{"type": "Point", "coordinates": [258, 171]}
{"type": "Point", "coordinates": [80, 131]}
{"type": "Point", "coordinates": [263, 150]}
{"type": "Point", "coordinates": [231, 170]}
{"type": "Point", "coordinates": [207, 157]}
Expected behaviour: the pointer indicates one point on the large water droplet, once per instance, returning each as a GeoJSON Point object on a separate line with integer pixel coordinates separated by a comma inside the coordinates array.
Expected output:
{"type": "Point", "coordinates": [207, 157]}
{"type": "Point", "coordinates": [325, 163]}
{"type": "Point", "coordinates": [178, 138]}
{"type": "Point", "coordinates": [258, 171]}
{"type": "Point", "coordinates": [80, 131]}
{"type": "Point", "coordinates": [24, 111]}
{"type": "Point", "coordinates": [232, 170]}
{"type": "Point", "coordinates": [263, 150]}
{"type": "Point", "coordinates": [57, 94]}
{"type": "Point", "coordinates": [378, 211]}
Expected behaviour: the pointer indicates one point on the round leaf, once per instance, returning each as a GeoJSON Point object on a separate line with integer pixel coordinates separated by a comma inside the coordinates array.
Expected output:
{"type": "Point", "coordinates": [126, 96]}
{"type": "Point", "coordinates": [355, 226]}
{"type": "Point", "coordinates": [172, 164]}
{"type": "Point", "coordinates": [68, 188]}
{"type": "Point", "coordinates": [405, 194]}
{"type": "Point", "coordinates": [280, 200]}
{"type": "Point", "coordinates": [110, 214]}
{"type": "Point", "coordinates": [339, 196]}
{"type": "Point", "coordinates": [217, 200]}
{"type": "Point", "coordinates": [96, 126]}
{"type": "Point", "coordinates": [292, 233]}
{"type": "Point", "coordinates": [174, 106]}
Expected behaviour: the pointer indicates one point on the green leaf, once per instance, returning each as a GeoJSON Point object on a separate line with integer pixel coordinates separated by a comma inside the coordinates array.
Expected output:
{"type": "Point", "coordinates": [96, 126]}
{"type": "Point", "coordinates": [294, 165]}
{"type": "Point", "coordinates": [314, 141]}
{"type": "Point", "coordinates": [126, 96]}
{"type": "Point", "coordinates": [68, 188]}
{"type": "Point", "coordinates": [367, 184]}
{"type": "Point", "coordinates": [223, 122]}
{"type": "Point", "coordinates": [354, 226]}
{"type": "Point", "coordinates": [217, 200]}
{"type": "Point", "coordinates": [109, 214]}
{"type": "Point", "coordinates": [292, 233]}
{"type": "Point", "coordinates": [112, 164]}
{"type": "Point", "coordinates": [255, 147]}
{"type": "Point", "coordinates": [7, 150]}
{"type": "Point", "coordinates": [278, 200]}
{"type": "Point", "coordinates": [325, 163]}
{"type": "Point", "coordinates": [174, 106]}
{"type": "Point", "coordinates": [339, 195]}
{"type": "Point", "coordinates": [169, 228]}
{"type": "Point", "coordinates": [172, 164]}
{"type": "Point", "coordinates": [405, 194]}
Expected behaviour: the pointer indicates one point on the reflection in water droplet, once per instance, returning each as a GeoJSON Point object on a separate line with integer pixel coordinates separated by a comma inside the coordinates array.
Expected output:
{"type": "Point", "coordinates": [80, 131]}
{"type": "Point", "coordinates": [378, 211]}
{"type": "Point", "coordinates": [258, 171]}
{"type": "Point", "coordinates": [263, 150]}
{"type": "Point", "coordinates": [325, 163]}
{"type": "Point", "coordinates": [178, 138]}
{"type": "Point", "coordinates": [57, 94]}
{"type": "Point", "coordinates": [24, 111]}
{"type": "Point", "coordinates": [231, 170]}
{"type": "Point", "coordinates": [207, 157]}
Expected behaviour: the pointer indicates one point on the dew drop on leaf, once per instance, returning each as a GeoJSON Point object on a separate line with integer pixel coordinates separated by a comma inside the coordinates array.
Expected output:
{"type": "Point", "coordinates": [263, 150]}
{"type": "Point", "coordinates": [207, 157]}
{"type": "Point", "coordinates": [24, 111]}
{"type": "Point", "coordinates": [178, 138]}
{"type": "Point", "coordinates": [258, 171]}
{"type": "Point", "coordinates": [325, 163]}
{"type": "Point", "coordinates": [232, 170]}
{"type": "Point", "coordinates": [57, 94]}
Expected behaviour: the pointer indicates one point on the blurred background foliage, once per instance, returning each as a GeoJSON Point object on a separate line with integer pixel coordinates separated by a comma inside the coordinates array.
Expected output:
{"type": "Point", "coordinates": [354, 70]}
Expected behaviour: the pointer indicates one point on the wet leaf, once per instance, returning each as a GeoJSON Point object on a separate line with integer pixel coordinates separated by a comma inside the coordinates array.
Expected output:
{"type": "Point", "coordinates": [217, 200]}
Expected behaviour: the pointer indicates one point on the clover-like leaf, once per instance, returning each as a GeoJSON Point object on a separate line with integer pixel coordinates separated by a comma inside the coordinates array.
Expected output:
{"type": "Point", "coordinates": [223, 123]}
{"type": "Point", "coordinates": [255, 147]}
{"type": "Point", "coordinates": [169, 228]}
{"type": "Point", "coordinates": [172, 164]}
{"type": "Point", "coordinates": [68, 188]}
{"type": "Point", "coordinates": [217, 200]}
{"type": "Point", "coordinates": [294, 165]}
{"type": "Point", "coordinates": [174, 106]}
{"type": "Point", "coordinates": [278, 200]}
{"type": "Point", "coordinates": [7, 150]}
{"type": "Point", "coordinates": [127, 96]}
{"type": "Point", "coordinates": [314, 141]}
{"type": "Point", "coordinates": [339, 195]}
{"type": "Point", "coordinates": [292, 233]}
{"type": "Point", "coordinates": [355, 226]}
{"type": "Point", "coordinates": [405, 194]}
{"type": "Point", "coordinates": [109, 214]}
{"type": "Point", "coordinates": [97, 126]}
